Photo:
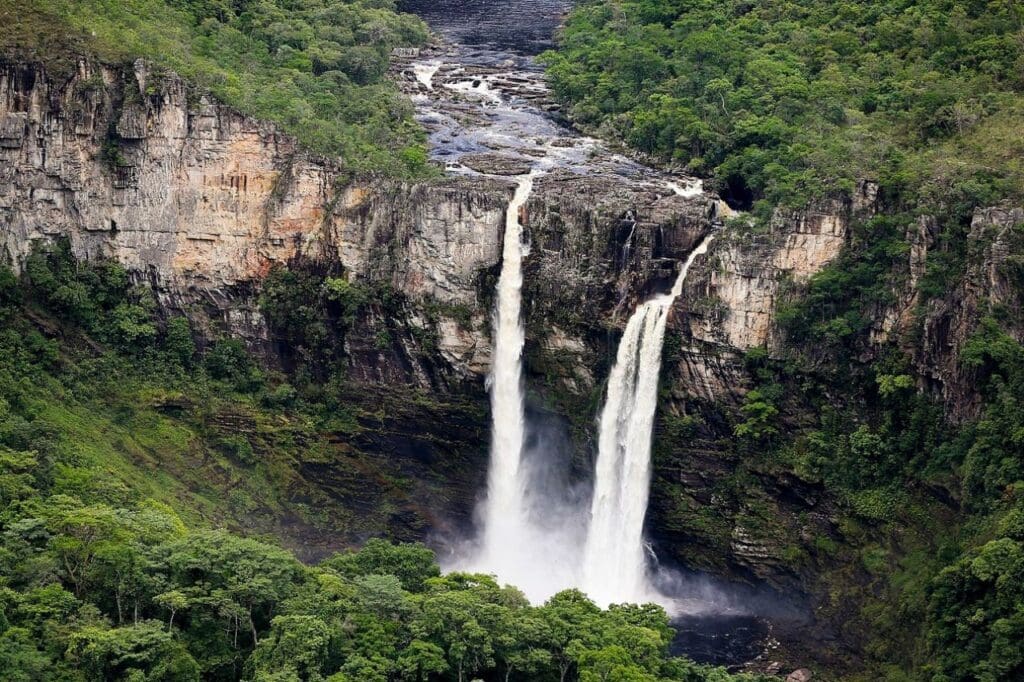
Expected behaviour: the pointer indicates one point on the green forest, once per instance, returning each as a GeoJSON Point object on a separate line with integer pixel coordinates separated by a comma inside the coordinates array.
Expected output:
{"type": "Point", "coordinates": [316, 67]}
{"type": "Point", "coordinates": [784, 100]}
{"type": "Point", "coordinates": [160, 513]}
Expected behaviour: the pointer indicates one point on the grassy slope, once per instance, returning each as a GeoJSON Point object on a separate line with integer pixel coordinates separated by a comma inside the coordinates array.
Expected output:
{"type": "Point", "coordinates": [119, 429]}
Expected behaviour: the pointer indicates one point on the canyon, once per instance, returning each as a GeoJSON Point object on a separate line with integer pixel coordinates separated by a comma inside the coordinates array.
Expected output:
{"type": "Point", "coordinates": [201, 203]}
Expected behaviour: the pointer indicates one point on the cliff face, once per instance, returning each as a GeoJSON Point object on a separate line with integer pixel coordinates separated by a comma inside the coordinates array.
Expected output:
{"type": "Point", "coordinates": [731, 296]}
{"type": "Point", "coordinates": [201, 203]}
{"type": "Point", "coordinates": [184, 192]}
{"type": "Point", "coordinates": [949, 321]}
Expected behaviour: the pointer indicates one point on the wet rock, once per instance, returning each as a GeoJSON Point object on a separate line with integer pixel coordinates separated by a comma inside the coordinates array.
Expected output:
{"type": "Point", "coordinates": [801, 675]}
{"type": "Point", "coordinates": [496, 164]}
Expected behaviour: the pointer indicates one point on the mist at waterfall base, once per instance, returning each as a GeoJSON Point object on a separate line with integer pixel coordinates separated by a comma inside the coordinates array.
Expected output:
{"type": "Point", "coordinates": [538, 531]}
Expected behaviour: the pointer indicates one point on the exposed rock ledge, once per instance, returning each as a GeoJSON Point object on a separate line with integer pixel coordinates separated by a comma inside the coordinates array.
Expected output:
{"type": "Point", "coordinates": [202, 201]}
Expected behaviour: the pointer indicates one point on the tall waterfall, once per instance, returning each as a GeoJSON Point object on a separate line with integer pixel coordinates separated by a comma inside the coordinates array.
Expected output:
{"type": "Point", "coordinates": [614, 563]}
{"type": "Point", "coordinates": [505, 523]}
{"type": "Point", "coordinates": [526, 539]}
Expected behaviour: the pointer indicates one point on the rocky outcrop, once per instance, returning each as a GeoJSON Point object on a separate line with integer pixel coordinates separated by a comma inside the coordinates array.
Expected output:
{"type": "Point", "coordinates": [202, 202]}
{"type": "Point", "coordinates": [730, 298]}
{"type": "Point", "coordinates": [992, 278]}
{"type": "Point", "coordinates": [125, 165]}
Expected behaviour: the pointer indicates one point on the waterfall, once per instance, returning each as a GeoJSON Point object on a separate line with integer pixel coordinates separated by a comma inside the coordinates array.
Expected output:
{"type": "Point", "coordinates": [505, 523]}
{"type": "Point", "coordinates": [425, 71]}
{"type": "Point", "coordinates": [614, 562]}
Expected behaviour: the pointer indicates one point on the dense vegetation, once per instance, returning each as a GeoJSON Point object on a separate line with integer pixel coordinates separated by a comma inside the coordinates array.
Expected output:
{"type": "Point", "coordinates": [783, 100]}
{"type": "Point", "coordinates": [780, 103]}
{"type": "Point", "coordinates": [111, 570]}
{"type": "Point", "coordinates": [316, 67]}
{"type": "Point", "coordinates": [120, 454]}
{"type": "Point", "coordinates": [931, 511]}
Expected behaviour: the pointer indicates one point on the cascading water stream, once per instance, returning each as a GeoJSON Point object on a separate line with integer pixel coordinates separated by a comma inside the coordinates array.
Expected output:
{"type": "Point", "coordinates": [482, 99]}
{"type": "Point", "coordinates": [614, 562]}
{"type": "Point", "coordinates": [505, 514]}
{"type": "Point", "coordinates": [517, 544]}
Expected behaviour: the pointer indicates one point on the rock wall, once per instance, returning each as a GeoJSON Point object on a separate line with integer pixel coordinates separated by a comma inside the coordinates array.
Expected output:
{"type": "Point", "coordinates": [125, 165]}
{"type": "Point", "coordinates": [994, 242]}
{"type": "Point", "coordinates": [201, 202]}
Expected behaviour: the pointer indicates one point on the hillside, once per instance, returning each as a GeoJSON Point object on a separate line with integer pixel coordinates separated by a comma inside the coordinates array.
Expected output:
{"type": "Point", "coordinates": [892, 378]}
{"type": "Point", "coordinates": [782, 101]}
{"type": "Point", "coordinates": [317, 68]}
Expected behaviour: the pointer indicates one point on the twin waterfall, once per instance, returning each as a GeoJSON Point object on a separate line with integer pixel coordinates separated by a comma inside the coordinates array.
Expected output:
{"type": "Point", "coordinates": [505, 523]}
{"type": "Point", "coordinates": [607, 559]}
{"type": "Point", "coordinates": [614, 562]}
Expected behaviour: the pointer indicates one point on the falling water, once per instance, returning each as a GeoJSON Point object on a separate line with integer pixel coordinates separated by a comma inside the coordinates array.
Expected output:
{"type": "Point", "coordinates": [614, 562]}
{"type": "Point", "coordinates": [504, 512]}
{"type": "Point", "coordinates": [424, 72]}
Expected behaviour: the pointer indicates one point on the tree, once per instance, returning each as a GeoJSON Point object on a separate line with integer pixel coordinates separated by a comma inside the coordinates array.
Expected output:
{"type": "Point", "coordinates": [610, 664]}
{"type": "Point", "coordinates": [146, 647]}
{"type": "Point", "coordinates": [174, 601]}
{"type": "Point", "coordinates": [459, 614]}
{"type": "Point", "coordinates": [573, 621]}
{"type": "Point", "coordinates": [412, 563]}
{"type": "Point", "coordinates": [420, 660]}
{"type": "Point", "coordinates": [231, 578]}
{"type": "Point", "coordinates": [178, 342]}
{"type": "Point", "coordinates": [297, 643]}
{"type": "Point", "coordinates": [522, 645]}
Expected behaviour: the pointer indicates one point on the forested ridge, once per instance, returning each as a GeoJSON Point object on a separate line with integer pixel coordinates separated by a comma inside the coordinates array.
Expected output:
{"type": "Point", "coordinates": [780, 101]}
{"type": "Point", "coordinates": [316, 67]}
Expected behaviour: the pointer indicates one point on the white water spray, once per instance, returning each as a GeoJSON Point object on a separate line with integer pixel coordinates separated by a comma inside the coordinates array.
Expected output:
{"type": "Point", "coordinates": [425, 71]}
{"type": "Point", "coordinates": [692, 188]}
{"type": "Point", "coordinates": [614, 561]}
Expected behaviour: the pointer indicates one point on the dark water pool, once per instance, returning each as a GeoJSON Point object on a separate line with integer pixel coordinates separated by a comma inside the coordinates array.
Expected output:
{"type": "Point", "coordinates": [523, 27]}
{"type": "Point", "coordinates": [720, 639]}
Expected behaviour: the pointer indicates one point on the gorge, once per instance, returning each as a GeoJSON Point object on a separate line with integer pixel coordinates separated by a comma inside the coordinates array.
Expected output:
{"type": "Point", "coordinates": [684, 310]}
{"type": "Point", "coordinates": [212, 201]}
{"type": "Point", "coordinates": [605, 554]}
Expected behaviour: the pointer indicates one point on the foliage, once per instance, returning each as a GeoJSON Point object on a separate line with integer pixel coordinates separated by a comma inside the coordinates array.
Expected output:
{"type": "Point", "coordinates": [315, 67]}
{"type": "Point", "coordinates": [781, 101]}
{"type": "Point", "coordinates": [99, 592]}
{"type": "Point", "coordinates": [102, 579]}
{"type": "Point", "coordinates": [976, 609]}
{"type": "Point", "coordinates": [312, 313]}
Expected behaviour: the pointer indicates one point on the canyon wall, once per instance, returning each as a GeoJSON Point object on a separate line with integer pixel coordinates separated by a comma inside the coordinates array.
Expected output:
{"type": "Point", "coordinates": [200, 203]}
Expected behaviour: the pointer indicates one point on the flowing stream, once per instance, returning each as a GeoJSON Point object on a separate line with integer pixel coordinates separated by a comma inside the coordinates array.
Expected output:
{"type": "Point", "coordinates": [614, 557]}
